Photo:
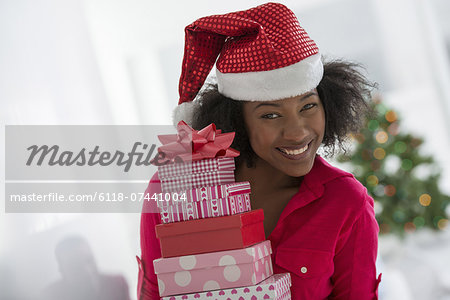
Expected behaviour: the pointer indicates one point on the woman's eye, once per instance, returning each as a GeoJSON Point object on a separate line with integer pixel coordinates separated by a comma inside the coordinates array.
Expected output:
{"type": "Point", "coordinates": [308, 106]}
{"type": "Point", "coordinates": [270, 116]}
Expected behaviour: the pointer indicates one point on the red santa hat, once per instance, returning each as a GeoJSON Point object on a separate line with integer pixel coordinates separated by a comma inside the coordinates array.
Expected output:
{"type": "Point", "coordinates": [262, 55]}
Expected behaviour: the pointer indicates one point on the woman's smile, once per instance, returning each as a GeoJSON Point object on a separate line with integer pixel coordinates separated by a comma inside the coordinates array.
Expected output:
{"type": "Point", "coordinates": [294, 152]}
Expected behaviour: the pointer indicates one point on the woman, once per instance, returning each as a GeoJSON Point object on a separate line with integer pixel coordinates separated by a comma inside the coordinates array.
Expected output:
{"type": "Point", "coordinates": [283, 104]}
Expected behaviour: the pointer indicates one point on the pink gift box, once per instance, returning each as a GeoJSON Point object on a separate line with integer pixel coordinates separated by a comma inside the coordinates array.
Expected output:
{"type": "Point", "coordinates": [206, 193]}
{"type": "Point", "coordinates": [196, 180]}
{"type": "Point", "coordinates": [276, 287]}
{"type": "Point", "coordinates": [206, 202]}
{"type": "Point", "coordinates": [198, 166]}
{"type": "Point", "coordinates": [214, 270]}
{"type": "Point", "coordinates": [185, 211]}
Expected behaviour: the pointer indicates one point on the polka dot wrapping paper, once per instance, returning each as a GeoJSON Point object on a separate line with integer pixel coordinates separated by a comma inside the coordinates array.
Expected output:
{"type": "Point", "coordinates": [215, 270]}
{"type": "Point", "coordinates": [276, 287]}
{"type": "Point", "coordinates": [211, 234]}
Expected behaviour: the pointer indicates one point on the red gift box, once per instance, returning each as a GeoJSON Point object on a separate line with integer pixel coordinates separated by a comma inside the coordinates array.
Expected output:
{"type": "Point", "coordinates": [196, 180]}
{"type": "Point", "coordinates": [205, 208]}
{"type": "Point", "coordinates": [199, 166]}
{"type": "Point", "coordinates": [211, 234]}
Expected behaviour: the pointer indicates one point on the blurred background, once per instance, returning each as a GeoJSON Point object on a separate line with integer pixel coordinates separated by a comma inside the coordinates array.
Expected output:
{"type": "Point", "coordinates": [118, 62]}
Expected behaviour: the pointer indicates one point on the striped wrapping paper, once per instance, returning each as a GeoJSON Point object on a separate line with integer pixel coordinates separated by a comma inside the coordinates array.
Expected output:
{"type": "Point", "coordinates": [196, 180]}
{"type": "Point", "coordinates": [205, 193]}
{"type": "Point", "coordinates": [184, 211]}
{"type": "Point", "coordinates": [199, 166]}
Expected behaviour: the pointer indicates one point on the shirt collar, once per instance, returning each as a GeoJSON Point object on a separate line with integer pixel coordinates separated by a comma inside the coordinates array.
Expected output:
{"type": "Point", "coordinates": [313, 185]}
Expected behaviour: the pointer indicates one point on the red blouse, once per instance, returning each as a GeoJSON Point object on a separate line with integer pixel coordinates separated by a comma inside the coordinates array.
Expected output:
{"type": "Point", "coordinates": [326, 238]}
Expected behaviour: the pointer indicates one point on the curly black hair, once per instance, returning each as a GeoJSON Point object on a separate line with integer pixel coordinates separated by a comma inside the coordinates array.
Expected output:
{"type": "Point", "coordinates": [343, 90]}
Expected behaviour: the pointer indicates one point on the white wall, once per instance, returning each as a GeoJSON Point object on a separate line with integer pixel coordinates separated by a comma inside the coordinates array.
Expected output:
{"type": "Point", "coordinates": [118, 62]}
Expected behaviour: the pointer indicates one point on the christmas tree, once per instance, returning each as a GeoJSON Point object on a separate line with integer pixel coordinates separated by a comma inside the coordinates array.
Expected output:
{"type": "Point", "coordinates": [402, 181]}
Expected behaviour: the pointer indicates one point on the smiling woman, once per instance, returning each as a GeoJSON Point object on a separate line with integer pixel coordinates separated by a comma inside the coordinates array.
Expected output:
{"type": "Point", "coordinates": [283, 103]}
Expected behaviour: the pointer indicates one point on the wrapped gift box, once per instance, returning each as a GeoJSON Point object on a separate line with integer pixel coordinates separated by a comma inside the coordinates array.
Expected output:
{"type": "Point", "coordinates": [206, 193]}
{"type": "Point", "coordinates": [199, 166]}
{"type": "Point", "coordinates": [185, 211]}
{"type": "Point", "coordinates": [276, 287]}
{"type": "Point", "coordinates": [201, 236]}
{"type": "Point", "coordinates": [196, 180]}
{"type": "Point", "coordinates": [206, 202]}
{"type": "Point", "coordinates": [215, 270]}
{"type": "Point", "coordinates": [209, 296]}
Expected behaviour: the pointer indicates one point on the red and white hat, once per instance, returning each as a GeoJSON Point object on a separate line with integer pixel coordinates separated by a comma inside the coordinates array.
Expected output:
{"type": "Point", "coordinates": [264, 55]}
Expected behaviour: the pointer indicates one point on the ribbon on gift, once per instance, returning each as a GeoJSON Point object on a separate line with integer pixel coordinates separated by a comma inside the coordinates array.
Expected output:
{"type": "Point", "coordinates": [191, 145]}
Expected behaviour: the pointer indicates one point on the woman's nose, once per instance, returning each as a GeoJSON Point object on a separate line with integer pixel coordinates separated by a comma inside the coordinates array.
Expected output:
{"type": "Point", "coordinates": [294, 129]}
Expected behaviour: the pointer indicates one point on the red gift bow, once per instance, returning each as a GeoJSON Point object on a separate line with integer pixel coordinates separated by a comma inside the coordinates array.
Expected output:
{"type": "Point", "coordinates": [190, 144]}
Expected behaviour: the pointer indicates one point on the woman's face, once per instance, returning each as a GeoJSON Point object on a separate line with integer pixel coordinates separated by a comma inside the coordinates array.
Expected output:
{"type": "Point", "coordinates": [286, 133]}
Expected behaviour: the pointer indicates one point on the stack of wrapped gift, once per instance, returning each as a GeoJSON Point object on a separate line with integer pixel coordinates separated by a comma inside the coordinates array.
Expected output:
{"type": "Point", "coordinates": [212, 243]}
{"type": "Point", "coordinates": [187, 200]}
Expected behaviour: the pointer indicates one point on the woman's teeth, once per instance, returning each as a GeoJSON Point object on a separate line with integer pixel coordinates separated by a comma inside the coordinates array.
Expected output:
{"type": "Point", "coordinates": [294, 152]}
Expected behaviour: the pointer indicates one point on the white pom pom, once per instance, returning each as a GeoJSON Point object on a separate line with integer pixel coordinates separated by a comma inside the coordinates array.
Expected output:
{"type": "Point", "coordinates": [185, 112]}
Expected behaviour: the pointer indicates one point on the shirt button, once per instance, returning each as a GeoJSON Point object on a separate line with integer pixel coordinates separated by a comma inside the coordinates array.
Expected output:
{"type": "Point", "coordinates": [303, 270]}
